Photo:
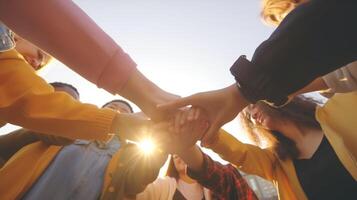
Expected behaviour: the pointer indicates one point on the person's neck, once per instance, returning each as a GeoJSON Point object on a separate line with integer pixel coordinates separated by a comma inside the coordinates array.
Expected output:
{"type": "Point", "coordinates": [307, 139]}
{"type": "Point", "coordinates": [187, 179]}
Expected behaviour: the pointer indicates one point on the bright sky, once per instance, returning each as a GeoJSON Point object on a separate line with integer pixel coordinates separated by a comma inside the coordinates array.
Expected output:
{"type": "Point", "coordinates": [183, 46]}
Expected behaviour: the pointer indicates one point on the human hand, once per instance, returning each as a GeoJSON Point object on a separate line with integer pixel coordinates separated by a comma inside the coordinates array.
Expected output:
{"type": "Point", "coordinates": [52, 139]}
{"type": "Point", "coordinates": [131, 126]}
{"type": "Point", "coordinates": [221, 107]}
{"type": "Point", "coordinates": [179, 134]}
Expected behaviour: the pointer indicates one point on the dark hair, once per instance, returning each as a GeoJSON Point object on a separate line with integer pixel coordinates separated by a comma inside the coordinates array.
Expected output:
{"type": "Point", "coordinates": [171, 169]}
{"type": "Point", "coordinates": [300, 110]}
{"type": "Point", "coordinates": [60, 84]}
{"type": "Point", "coordinates": [120, 101]}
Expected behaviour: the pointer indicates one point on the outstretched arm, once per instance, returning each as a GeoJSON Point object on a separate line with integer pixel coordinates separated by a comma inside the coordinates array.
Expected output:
{"type": "Point", "coordinates": [296, 53]}
{"type": "Point", "coordinates": [220, 107]}
{"type": "Point", "coordinates": [63, 30]}
{"type": "Point", "coordinates": [309, 43]}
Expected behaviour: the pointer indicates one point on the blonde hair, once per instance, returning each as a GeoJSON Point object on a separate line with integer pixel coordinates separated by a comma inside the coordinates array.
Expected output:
{"type": "Point", "coordinates": [274, 11]}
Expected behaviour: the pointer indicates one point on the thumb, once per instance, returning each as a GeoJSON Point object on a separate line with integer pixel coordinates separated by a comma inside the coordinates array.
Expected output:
{"type": "Point", "coordinates": [209, 137]}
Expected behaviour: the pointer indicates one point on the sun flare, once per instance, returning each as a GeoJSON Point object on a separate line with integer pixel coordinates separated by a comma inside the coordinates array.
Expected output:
{"type": "Point", "coordinates": [146, 145]}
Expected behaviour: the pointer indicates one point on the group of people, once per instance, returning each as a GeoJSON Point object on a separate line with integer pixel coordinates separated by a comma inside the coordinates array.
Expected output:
{"type": "Point", "coordinates": [72, 150]}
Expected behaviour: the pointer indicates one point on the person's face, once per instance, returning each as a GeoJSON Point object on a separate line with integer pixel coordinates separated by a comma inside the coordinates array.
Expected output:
{"type": "Point", "coordinates": [263, 116]}
{"type": "Point", "coordinates": [119, 106]}
{"type": "Point", "coordinates": [180, 165]}
{"type": "Point", "coordinates": [32, 54]}
{"type": "Point", "coordinates": [67, 90]}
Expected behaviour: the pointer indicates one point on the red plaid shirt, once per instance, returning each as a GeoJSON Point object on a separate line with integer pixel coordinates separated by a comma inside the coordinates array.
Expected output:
{"type": "Point", "coordinates": [224, 181]}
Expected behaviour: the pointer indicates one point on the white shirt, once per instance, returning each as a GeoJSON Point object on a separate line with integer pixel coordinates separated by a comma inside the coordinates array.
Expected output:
{"type": "Point", "coordinates": [192, 191]}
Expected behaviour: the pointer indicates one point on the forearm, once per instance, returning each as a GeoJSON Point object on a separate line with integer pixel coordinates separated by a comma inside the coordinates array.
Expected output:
{"type": "Point", "coordinates": [14, 141]}
{"type": "Point", "coordinates": [142, 92]}
{"type": "Point", "coordinates": [193, 157]}
{"type": "Point", "coordinates": [339, 81]}
{"type": "Point", "coordinates": [239, 99]}
{"type": "Point", "coordinates": [248, 158]}
{"type": "Point", "coordinates": [342, 80]}
{"type": "Point", "coordinates": [28, 101]}
{"type": "Point", "coordinates": [314, 39]}
{"type": "Point", "coordinates": [224, 181]}
{"type": "Point", "coordinates": [131, 126]}
{"type": "Point", "coordinates": [316, 85]}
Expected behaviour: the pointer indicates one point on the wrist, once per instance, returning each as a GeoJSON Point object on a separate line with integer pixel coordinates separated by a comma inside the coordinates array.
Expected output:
{"type": "Point", "coordinates": [139, 89]}
{"type": "Point", "coordinates": [143, 93]}
{"type": "Point", "coordinates": [238, 100]}
{"type": "Point", "coordinates": [129, 126]}
{"type": "Point", "coordinates": [193, 157]}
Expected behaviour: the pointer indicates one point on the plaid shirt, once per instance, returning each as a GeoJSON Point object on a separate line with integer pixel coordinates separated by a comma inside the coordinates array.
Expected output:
{"type": "Point", "coordinates": [224, 181]}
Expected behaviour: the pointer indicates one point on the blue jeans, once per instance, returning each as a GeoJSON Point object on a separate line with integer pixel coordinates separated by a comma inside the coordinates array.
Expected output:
{"type": "Point", "coordinates": [6, 38]}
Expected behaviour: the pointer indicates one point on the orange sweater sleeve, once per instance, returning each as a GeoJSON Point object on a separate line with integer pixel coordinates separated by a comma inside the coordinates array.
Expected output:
{"type": "Point", "coordinates": [63, 30]}
{"type": "Point", "coordinates": [28, 101]}
{"type": "Point", "coordinates": [248, 158]}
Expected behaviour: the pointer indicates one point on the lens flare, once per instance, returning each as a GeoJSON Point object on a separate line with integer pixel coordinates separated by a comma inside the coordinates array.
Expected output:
{"type": "Point", "coordinates": [147, 146]}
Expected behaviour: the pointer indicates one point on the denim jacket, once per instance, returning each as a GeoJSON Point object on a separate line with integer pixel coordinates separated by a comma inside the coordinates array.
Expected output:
{"type": "Point", "coordinates": [6, 38]}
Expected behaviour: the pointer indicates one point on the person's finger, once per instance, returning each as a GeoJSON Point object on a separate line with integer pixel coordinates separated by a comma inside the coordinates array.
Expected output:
{"type": "Point", "coordinates": [171, 127]}
{"type": "Point", "coordinates": [160, 133]}
{"type": "Point", "coordinates": [191, 114]}
{"type": "Point", "coordinates": [172, 105]}
{"type": "Point", "coordinates": [197, 113]}
{"type": "Point", "coordinates": [177, 122]}
{"type": "Point", "coordinates": [160, 126]}
{"type": "Point", "coordinates": [184, 117]}
{"type": "Point", "coordinates": [187, 129]}
{"type": "Point", "coordinates": [211, 133]}
{"type": "Point", "coordinates": [202, 128]}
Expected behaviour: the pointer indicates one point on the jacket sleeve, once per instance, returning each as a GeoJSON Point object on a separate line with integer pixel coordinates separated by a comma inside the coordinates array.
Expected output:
{"type": "Point", "coordinates": [27, 100]}
{"type": "Point", "coordinates": [314, 39]}
{"type": "Point", "coordinates": [224, 181]}
{"type": "Point", "coordinates": [62, 29]}
{"type": "Point", "coordinates": [248, 158]}
{"type": "Point", "coordinates": [14, 141]}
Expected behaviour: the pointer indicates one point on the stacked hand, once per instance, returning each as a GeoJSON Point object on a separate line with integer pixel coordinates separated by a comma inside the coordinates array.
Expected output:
{"type": "Point", "coordinates": [183, 126]}
{"type": "Point", "coordinates": [184, 129]}
{"type": "Point", "coordinates": [220, 106]}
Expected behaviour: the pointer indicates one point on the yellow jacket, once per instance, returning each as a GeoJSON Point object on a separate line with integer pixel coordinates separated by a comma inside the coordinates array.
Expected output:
{"type": "Point", "coordinates": [338, 120]}
{"type": "Point", "coordinates": [28, 101]}
{"type": "Point", "coordinates": [28, 164]}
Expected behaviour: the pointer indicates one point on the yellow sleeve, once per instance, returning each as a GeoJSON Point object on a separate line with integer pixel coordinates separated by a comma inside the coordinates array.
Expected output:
{"type": "Point", "coordinates": [27, 100]}
{"type": "Point", "coordinates": [248, 158]}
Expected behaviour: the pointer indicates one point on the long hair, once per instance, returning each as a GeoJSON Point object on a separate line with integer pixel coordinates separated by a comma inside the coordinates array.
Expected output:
{"type": "Point", "coordinates": [301, 111]}
{"type": "Point", "coordinates": [171, 170]}
{"type": "Point", "coordinates": [274, 11]}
